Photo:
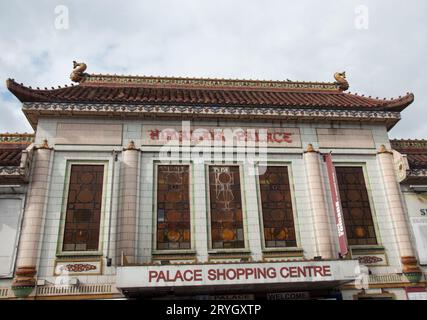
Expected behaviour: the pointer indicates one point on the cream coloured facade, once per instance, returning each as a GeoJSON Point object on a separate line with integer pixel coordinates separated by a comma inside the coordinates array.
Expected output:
{"type": "Point", "coordinates": [130, 213]}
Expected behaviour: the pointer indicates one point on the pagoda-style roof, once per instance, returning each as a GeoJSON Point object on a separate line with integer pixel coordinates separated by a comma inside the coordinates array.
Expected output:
{"type": "Point", "coordinates": [14, 157]}
{"type": "Point", "coordinates": [119, 95]}
{"type": "Point", "coordinates": [96, 88]}
{"type": "Point", "coordinates": [11, 146]}
{"type": "Point", "coordinates": [415, 152]}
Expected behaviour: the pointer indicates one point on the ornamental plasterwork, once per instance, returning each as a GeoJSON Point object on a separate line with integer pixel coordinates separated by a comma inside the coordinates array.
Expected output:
{"type": "Point", "coordinates": [401, 165]}
{"type": "Point", "coordinates": [402, 144]}
{"type": "Point", "coordinates": [11, 171]}
{"type": "Point", "coordinates": [94, 78]}
{"type": "Point", "coordinates": [78, 75]}
{"type": "Point", "coordinates": [16, 138]}
{"type": "Point", "coordinates": [418, 172]}
{"type": "Point", "coordinates": [211, 110]}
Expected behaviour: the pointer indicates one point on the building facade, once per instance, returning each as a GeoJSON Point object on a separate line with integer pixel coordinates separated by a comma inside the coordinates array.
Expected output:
{"type": "Point", "coordinates": [411, 167]}
{"type": "Point", "coordinates": [207, 189]}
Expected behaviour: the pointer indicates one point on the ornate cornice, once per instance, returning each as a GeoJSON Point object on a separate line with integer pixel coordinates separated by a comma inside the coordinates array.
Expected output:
{"type": "Point", "coordinates": [420, 173]}
{"type": "Point", "coordinates": [11, 171]}
{"type": "Point", "coordinates": [13, 174]}
{"type": "Point", "coordinates": [34, 109]}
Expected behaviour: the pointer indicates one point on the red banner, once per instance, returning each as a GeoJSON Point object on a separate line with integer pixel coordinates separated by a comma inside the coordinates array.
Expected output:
{"type": "Point", "coordinates": [339, 220]}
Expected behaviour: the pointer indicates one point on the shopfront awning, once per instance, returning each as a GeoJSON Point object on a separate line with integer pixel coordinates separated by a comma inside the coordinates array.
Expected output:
{"type": "Point", "coordinates": [234, 278]}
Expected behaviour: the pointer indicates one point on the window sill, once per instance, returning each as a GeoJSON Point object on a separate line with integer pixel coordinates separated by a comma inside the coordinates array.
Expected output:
{"type": "Point", "coordinates": [286, 252]}
{"type": "Point", "coordinates": [293, 249]}
{"type": "Point", "coordinates": [370, 248]}
{"type": "Point", "coordinates": [173, 252]}
{"type": "Point", "coordinates": [229, 251]}
{"type": "Point", "coordinates": [79, 254]}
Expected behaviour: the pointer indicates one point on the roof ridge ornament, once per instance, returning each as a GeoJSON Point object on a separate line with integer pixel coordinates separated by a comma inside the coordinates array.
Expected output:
{"type": "Point", "coordinates": [211, 82]}
{"type": "Point", "coordinates": [341, 80]}
{"type": "Point", "coordinates": [78, 74]}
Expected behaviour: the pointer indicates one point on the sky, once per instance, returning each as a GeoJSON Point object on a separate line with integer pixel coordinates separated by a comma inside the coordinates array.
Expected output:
{"type": "Point", "coordinates": [381, 44]}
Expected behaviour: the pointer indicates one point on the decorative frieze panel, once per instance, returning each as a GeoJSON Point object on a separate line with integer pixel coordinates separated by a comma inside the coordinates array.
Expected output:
{"type": "Point", "coordinates": [82, 289]}
{"type": "Point", "coordinates": [370, 256]}
{"type": "Point", "coordinates": [89, 134]}
{"type": "Point", "coordinates": [345, 138]}
{"type": "Point", "coordinates": [69, 267]}
{"type": "Point", "coordinates": [371, 260]}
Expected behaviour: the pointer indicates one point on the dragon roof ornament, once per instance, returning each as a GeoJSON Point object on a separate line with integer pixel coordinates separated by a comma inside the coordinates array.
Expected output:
{"type": "Point", "coordinates": [78, 74]}
{"type": "Point", "coordinates": [341, 80]}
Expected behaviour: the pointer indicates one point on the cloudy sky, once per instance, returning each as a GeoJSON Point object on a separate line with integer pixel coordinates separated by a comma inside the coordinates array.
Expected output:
{"type": "Point", "coordinates": [380, 43]}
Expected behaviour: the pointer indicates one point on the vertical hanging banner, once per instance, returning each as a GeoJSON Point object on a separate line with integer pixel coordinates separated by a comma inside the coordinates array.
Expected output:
{"type": "Point", "coordinates": [339, 220]}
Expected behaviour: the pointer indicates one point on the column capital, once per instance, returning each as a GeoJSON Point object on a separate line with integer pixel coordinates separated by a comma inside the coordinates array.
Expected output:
{"type": "Point", "coordinates": [44, 145]}
{"type": "Point", "coordinates": [131, 146]}
{"type": "Point", "coordinates": [383, 150]}
{"type": "Point", "coordinates": [310, 149]}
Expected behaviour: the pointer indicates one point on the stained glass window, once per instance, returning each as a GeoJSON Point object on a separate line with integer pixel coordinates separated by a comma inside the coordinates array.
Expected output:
{"type": "Point", "coordinates": [359, 224]}
{"type": "Point", "coordinates": [173, 207]}
{"type": "Point", "coordinates": [277, 213]}
{"type": "Point", "coordinates": [83, 212]}
{"type": "Point", "coordinates": [226, 207]}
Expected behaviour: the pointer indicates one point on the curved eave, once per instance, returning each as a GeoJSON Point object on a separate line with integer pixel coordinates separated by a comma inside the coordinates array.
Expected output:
{"type": "Point", "coordinates": [401, 103]}
{"type": "Point", "coordinates": [24, 94]}
{"type": "Point", "coordinates": [287, 98]}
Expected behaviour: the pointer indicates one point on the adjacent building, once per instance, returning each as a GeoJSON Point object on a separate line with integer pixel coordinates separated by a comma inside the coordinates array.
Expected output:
{"type": "Point", "coordinates": [15, 162]}
{"type": "Point", "coordinates": [411, 168]}
{"type": "Point", "coordinates": [161, 187]}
